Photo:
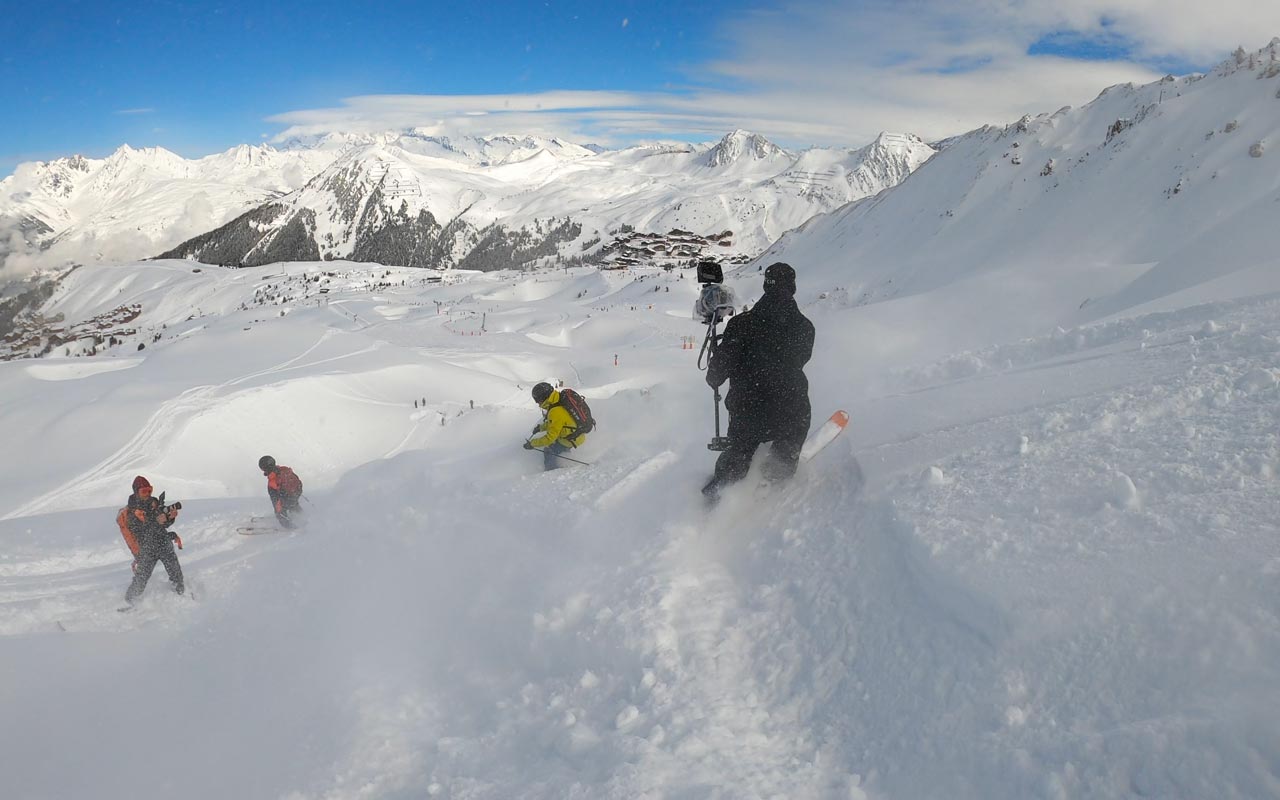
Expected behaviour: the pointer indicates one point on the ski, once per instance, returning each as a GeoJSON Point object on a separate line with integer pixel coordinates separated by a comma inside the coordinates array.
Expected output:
{"type": "Point", "coordinates": [255, 530]}
{"type": "Point", "coordinates": [824, 435]}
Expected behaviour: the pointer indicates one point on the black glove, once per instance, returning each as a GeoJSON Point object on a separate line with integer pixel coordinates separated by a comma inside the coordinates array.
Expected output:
{"type": "Point", "coordinates": [528, 445]}
{"type": "Point", "coordinates": [711, 381]}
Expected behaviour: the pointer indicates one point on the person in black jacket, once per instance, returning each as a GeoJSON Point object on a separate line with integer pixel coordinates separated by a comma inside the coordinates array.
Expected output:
{"type": "Point", "coordinates": [762, 354]}
{"type": "Point", "coordinates": [148, 521]}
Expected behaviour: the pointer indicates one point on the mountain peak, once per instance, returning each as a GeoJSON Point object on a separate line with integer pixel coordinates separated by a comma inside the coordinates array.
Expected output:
{"type": "Point", "coordinates": [739, 144]}
{"type": "Point", "coordinates": [887, 140]}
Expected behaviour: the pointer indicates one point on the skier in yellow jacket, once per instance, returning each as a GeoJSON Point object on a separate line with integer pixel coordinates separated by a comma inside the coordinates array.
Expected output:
{"type": "Point", "coordinates": [566, 421]}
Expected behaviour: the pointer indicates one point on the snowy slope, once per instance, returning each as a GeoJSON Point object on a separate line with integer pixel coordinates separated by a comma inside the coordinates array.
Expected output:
{"type": "Point", "coordinates": [1059, 578]}
{"type": "Point", "coordinates": [1043, 561]}
{"type": "Point", "coordinates": [1079, 214]}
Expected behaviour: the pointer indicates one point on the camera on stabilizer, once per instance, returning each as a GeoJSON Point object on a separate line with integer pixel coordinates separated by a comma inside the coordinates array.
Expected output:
{"type": "Point", "coordinates": [716, 301]}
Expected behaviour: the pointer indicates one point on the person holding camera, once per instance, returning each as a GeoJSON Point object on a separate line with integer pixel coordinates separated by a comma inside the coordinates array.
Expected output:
{"type": "Point", "coordinates": [148, 519]}
{"type": "Point", "coordinates": [762, 354]}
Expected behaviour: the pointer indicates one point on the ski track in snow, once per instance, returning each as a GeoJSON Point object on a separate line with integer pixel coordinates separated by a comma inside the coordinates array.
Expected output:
{"type": "Point", "coordinates": [1058, 580]}
{"type": "Point", "coordinates": [149, 442]}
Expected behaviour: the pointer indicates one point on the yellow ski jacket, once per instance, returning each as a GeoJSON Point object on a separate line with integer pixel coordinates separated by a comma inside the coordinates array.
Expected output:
{"type": "Point", "coordinates": [557, 425]}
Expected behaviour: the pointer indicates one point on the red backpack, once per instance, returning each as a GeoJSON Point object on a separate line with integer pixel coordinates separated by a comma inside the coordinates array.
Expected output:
{"type": "Point", "coordinates": [288, 481]}
{"type": "Point", "coordinates": [578, 409]}
{"type": "Point", "coordinates": [122, 519]}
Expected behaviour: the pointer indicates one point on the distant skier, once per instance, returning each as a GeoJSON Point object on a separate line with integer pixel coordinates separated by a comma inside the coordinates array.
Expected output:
{"type": "Point", "coordinates": [284, 487]}
{"type": "Point", "coordinates": [147, 520]}
{"type": "Point", "coordinates": [566, 421]}
{"type": "Point", "coordinates": [762, 354]}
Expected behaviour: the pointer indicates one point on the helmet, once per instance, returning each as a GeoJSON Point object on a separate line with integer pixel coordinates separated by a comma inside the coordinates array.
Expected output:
{"type": "Point", "coordinates": [541, 392]}
{"type": "Point", "coordinates": [266, 463]}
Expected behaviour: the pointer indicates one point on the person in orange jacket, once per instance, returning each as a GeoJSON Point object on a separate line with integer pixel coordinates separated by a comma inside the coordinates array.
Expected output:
{"type": "Point", "coordinates": [148, 520]}
{"type": "Point", "coordinates": [284, 487]}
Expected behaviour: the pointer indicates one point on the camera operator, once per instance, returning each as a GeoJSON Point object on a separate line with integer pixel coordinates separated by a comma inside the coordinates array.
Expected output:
{"type": "Point", "coordinates": [148, 519]}
{"type": "Point", "coordinates": [762, 354]}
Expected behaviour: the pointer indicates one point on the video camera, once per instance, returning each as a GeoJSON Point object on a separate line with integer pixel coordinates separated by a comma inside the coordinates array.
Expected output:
{"type": "Point", "coordinates": [715, 303]}
{"type": "Point", "coordinates": [175, 506]}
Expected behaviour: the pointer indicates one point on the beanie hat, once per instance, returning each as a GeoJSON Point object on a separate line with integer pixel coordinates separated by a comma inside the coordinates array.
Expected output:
{"type": "Point", "coordinates": [780, 279]}
{"type": "Point", "coordinates": [140, 482]}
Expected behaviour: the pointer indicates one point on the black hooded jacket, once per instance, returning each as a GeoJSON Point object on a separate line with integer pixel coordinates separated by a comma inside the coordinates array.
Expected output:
{"type": "Point", "coordinates": [762, 354]}
{"type": "Point", "coordinates": [144, 520]}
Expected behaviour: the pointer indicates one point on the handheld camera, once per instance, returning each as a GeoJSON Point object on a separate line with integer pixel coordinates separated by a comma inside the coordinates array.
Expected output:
{"type": "Point", "coordinates": [176, 505]}
{"type": "Point", "coordinates": [715, 304]}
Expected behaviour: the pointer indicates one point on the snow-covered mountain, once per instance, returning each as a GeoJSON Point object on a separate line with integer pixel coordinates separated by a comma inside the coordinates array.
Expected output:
{"type": "Point", "coordinates": [1096, 210]}
{"type": "Point", "coordinates": [135, 202]}
{"type": "Point", "coordinates": [506, 202]}
{"type": "Point", "coordinates": [739, 146]}
{"type": "Point", "coordinates": [409, 198]}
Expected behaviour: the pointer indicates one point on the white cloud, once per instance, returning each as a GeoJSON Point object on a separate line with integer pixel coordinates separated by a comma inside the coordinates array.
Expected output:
{"type": "Point", "coordinates": [1188, 30]}
{"type": "Point", "coordinates": [130, 111]}
{"type": "Point", "coordinates": [21, 255]}
{"type": "Point", "coordinates": [839, 73]}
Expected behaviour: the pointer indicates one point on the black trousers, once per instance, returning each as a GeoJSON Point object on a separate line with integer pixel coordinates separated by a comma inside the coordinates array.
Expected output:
{"type": "Point", "coordinates": [148, 555]}
{"type": "Point", "coordinates": [288, 505]}
{"type": "Point", "coordinates": [747, 431]}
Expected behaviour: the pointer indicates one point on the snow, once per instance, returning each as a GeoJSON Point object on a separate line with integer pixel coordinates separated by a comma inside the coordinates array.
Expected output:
{"type": "Point", "coordinates": [139, 203]}
{"type": "Point", "coordinates": [1041, 562]}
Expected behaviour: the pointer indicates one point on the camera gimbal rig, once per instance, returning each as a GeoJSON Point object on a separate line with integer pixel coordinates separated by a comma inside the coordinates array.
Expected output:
{"type": "Point", "coordinates": [715, 303]}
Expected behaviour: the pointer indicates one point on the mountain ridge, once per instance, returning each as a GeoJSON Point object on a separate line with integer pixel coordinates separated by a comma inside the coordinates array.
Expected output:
{"type": "Point", "coordinates": [522, 188]}
{"type": "Point", "coordinates": [1140, 186]}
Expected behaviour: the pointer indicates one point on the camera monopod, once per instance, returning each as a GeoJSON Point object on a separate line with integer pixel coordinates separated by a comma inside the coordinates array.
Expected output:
{"type": "Point", "coordinates": [715, 303]}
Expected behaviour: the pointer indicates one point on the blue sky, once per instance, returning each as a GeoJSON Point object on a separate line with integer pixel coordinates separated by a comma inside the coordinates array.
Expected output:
{"type": "Point", "coordinates": [199, 77]}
